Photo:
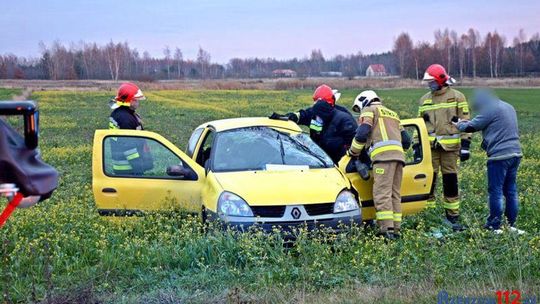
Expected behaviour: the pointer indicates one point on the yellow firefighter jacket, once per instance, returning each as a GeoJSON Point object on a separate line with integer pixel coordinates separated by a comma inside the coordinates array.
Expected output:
{"type": "Point", "coordinates": [438, 109]}
{"type": "Point", "coordinates": [384, 140]}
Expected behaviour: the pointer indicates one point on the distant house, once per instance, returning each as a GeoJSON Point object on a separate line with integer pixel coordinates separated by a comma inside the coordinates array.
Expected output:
{"type": "Point", "coordinates": [284, 73]}
{"type": "Point", "coordinates": [376, 70]}
{"type": "Point", "coordinates": [332, 74]}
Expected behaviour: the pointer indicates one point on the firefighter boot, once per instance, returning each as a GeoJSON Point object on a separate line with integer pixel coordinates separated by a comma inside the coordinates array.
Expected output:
{"type": "Point", "coordinates": [388, 235]}
{"type": "Point", "coordinates": [453, 222]}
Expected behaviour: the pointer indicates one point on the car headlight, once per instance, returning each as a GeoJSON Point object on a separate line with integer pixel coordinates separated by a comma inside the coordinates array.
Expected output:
{"type": "Point", "coordinates": [233, 205]}
{"type": "Point", "coordinates": [345, 201]}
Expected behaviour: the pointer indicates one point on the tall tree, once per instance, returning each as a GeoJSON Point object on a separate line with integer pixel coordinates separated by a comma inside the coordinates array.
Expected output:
{"type": "Point", "coordinates": [179, 58]}
{"type": "Point", "coordinates": [167, 57]}
{"type": "Point", "coordinates": [444, 45]}
{"type": "Point", "coordinates": [518, 45]}
{"type": "Point", "coordinates": [115, 57]}
{"type": "Point", "coordinates": [474, 38]}
{"type": "Point", "coordinates": [403, 47]}
{"type": "Point", "coordinates": [316, 62]}
{"type": "Point", "coordinates": [462, 52]}
{"type": "Point", "coordinates": [203, 60]}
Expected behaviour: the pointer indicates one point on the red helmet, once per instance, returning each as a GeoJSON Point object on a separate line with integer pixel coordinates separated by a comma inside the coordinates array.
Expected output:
{"type": "Point", "coordinates": [325, 93]}
{"type": "Point", "coordinates": [127, 92]}
{"type": "Point", "coordinates": [437, 73]}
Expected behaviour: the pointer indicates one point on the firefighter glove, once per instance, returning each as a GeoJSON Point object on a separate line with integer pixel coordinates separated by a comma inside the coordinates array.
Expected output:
{"type": "Point", "coordinates": [363, 169]}
{"type": "Point", "coordinates": [292, 117]}
{"type": "Point", "coordinates": [278, 116]}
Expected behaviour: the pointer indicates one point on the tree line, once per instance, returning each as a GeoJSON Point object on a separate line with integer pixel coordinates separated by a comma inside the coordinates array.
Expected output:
{"type": "Point", "coordinates": [464, 55]}
{"type": "Point", "coordinates": [469, 54]}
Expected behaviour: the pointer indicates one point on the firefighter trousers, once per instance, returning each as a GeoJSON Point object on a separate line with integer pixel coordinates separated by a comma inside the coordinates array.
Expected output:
{"type": "Point", "coordinates": [446, 163]}
{"type": "Point", "coordinates": [387, 178]}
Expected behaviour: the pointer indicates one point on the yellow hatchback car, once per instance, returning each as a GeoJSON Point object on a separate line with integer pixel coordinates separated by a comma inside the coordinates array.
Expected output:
{"type": "Point", "coordinates": [244, 172]}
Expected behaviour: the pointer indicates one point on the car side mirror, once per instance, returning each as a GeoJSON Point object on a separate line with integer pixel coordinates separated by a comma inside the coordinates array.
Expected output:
{"type": "Point", "coordinates": [178, 171]}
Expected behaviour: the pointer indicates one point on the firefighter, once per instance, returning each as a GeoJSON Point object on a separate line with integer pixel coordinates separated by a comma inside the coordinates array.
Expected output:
{"type": "Point", "coordinates": [130, 156]}
{"type": "Point", "coordinates": [380, 133]}
{"type": "Point", "coordinates": [439, 108]}
{"type": "Point", "coordinates": [331, 126]}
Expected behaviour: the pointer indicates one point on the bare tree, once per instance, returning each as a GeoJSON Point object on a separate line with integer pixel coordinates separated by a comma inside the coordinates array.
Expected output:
{"type": "Point", "coordinates": [444, 45]}
{"type": "Point", "coordinates": [474, 38]}
{"type": "Point", "coordinates": [499, 43]}
{"type": "Point", "coordinates": [203, 60]}
{"type": "Point", "coordinates": [146, 62]}
{"type": "Point", "coordinates": [535, 41]}
{"type": "Point", "coordinates": [316, 62]}
{"type": "Point", "coordinates": [403, 47]}
{"type": "Point", "coordinates": [518, 44]}
{"type": "Point", "coordinates": [167, 57]}
{"type": "Point", "coordinates": [462, 51]}
{"type": "Point", "coordinates": [454, 42]}
{"type": "Point", "coordinates": [488, 44]}
{"type": "Point", "coordinates": [179, 58]}
{"type": "Point", "coordinates": [115, 54]}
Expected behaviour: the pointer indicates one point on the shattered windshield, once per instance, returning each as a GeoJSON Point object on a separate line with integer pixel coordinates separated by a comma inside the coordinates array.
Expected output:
{"type": "Point", "coordinates": [258, 148]}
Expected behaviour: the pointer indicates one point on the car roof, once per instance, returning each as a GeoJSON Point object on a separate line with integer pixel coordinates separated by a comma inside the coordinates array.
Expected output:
{"type": "Point", "coordinates": [245, 122]}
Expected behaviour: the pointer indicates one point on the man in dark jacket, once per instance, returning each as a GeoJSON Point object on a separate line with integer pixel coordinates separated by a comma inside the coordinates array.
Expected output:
{"type": "Point", "coordinates": [130, 155]}
{"type": "Point", "coordinates": [331, 126]}
{"type": "Point", "coordinates": [498, 122]}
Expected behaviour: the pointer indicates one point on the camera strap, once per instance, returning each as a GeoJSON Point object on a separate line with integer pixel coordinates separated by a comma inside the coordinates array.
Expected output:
{"type": "Point", "coordinates": [10, 208]}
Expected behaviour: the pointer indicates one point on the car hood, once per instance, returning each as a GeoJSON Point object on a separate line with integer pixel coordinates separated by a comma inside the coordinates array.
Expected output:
{"type": "Point", "coordinates": [266, 188]}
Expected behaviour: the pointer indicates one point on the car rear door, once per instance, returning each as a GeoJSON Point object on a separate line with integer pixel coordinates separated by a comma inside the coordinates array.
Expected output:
{"type": "Point", "coordinates": [417, 173]}
{"type": "Point", "coordinates": [135, 171]}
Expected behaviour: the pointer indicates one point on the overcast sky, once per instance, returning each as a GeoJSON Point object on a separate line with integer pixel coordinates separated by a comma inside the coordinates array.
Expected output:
{"type": "Point", "coordinates": [253, 28]}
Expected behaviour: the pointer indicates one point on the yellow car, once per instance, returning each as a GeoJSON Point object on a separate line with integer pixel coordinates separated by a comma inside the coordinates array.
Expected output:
{"type": "Point", "coordinates": [241, 172]}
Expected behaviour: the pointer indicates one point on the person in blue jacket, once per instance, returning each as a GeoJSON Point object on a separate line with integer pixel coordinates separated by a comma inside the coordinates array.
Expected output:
{"type": "Point", "coordinates": [497, 120]}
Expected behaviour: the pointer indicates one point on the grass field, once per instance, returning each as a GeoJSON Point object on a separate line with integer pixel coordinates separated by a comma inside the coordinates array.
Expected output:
{"type": "Point", "coordinates": [62, 251]}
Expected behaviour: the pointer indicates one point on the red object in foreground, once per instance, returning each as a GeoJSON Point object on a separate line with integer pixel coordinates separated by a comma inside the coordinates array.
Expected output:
{"type": "Point", "coordinates": [10, 208]}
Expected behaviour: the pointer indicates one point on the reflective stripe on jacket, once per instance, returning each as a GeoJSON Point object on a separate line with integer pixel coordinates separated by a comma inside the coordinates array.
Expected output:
{"type": "Point", "coordinates": [125, 151]}
{"type": "Point", "coordinates": [384, 142]}
{"type": "Point", "coordinates": [438, 109]}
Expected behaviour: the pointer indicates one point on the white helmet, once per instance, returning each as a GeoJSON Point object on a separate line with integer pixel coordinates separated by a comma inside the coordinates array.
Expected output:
{"type": "Point", "coordinates": [364, 99]}
{"type": "Point", "coordinates": [337, 95]}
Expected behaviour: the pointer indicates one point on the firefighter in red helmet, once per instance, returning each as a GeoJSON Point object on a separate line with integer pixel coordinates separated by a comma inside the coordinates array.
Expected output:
{"type": "Point", "coordinates": [130, 157]}
{"type": "Point", "coordinates": [331, 126]}
{"type": "Point", "coordinates": [439, 108]}
{"type": "Point", "coordinates": [124, 105]}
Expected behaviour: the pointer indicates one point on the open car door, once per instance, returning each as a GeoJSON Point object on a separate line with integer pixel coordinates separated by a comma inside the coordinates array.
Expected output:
{"type": "Point", "coordinates": [135, 171]}
{"type": "Point", "coordinates": [417, 173]}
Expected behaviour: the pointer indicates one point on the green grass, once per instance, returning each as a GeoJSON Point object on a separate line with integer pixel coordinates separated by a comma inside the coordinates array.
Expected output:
{"type": "Point", "coordinates": [7, 94]}
{"type": "Point", "coordinates": [62, 250]}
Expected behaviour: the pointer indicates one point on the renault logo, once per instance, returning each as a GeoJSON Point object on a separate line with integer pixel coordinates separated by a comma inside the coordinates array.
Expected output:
{"type": "Point", "coordinates": [296, 213]}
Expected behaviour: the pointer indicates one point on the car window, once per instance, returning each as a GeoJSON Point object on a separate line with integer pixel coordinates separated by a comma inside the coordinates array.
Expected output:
{"type": "Point", "coordinates": [139, 157]}
{"type": "Point", "coordinates": [206, 149]}
{"type": "Point", "coordinates": [257, 147]}
{"type": "Point", "coordinates": [193, 140]}
{"type": "Point", "coordinates": [414, 154]}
